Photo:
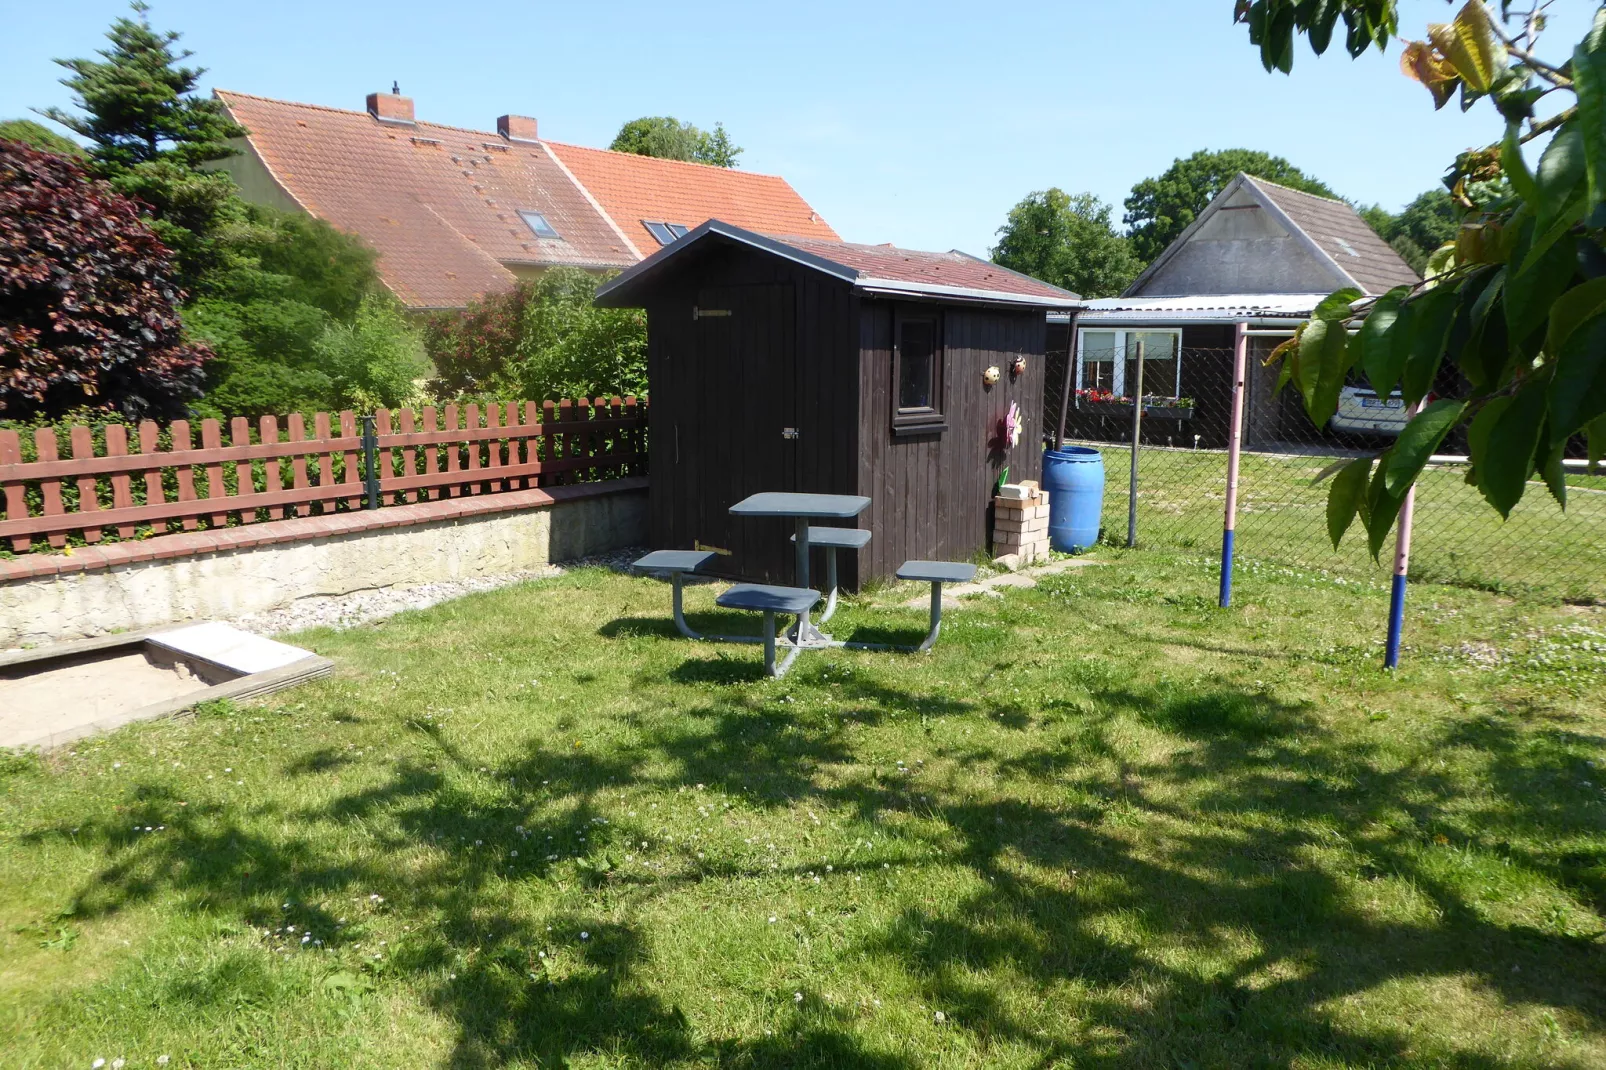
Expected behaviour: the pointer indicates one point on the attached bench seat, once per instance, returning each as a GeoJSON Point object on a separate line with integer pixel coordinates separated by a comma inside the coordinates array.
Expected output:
{"type": "Point", "coordinates": [936, 573]}
{"type": "Point", "coordinates": [769, 600]}
{"type": "Point", "coordinates": [675, 564]}
{"type": "Point", "coordinates": [831, 540]}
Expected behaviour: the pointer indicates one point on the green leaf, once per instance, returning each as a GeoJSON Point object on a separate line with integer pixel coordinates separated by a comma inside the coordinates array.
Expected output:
{"type": "Point", "coordinates": [1320, 27]}
{"type": "Point", "coordinates": [1531, 291]}
{"type": "Point", "coordinates": [1482, 424]}
{"type": "Point", "coordinates": [1567, 312]}
{"type": "Point", "coordinates": [1508, 452]}
{"type": "Point", "coordinates": [1596, 435]}
{"type": "Point", "coordinates": [1323, 364]}
{"type": "Point", "coordinates": [1381, 508]}
{"type": "Point", "coordinates": [1482, 341]}
{"type": "Point", "coordinates": [1589, 81]}
{"type": "Point", "coordinates": [1515, 167]}
{"type": "Point", "coordinates": [1469, 43]}
{"type": "Point", "coordinates": [1417, 442]}
{"type": "Point", "coordinates": [1578, 390]}
{"type": "Point", "coordinates": [1337, 305]}
{"type": "Point", "coordinates": [1555, 473]}
{"type": "Point", "coordinates": [1345, 496]}
{"type": "Point", "coordinates": [1379, 348]}
{"type": "Point", "coordinates": [1431, 317]}
{"type": "Point", "coordinates": [1560, 186]}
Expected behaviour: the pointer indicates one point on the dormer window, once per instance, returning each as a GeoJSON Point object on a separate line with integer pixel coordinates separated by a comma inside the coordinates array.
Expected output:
{"type": "Point", "coordinates": [538, 224]}
{"type": "Point", "coordinates": [665, 232]}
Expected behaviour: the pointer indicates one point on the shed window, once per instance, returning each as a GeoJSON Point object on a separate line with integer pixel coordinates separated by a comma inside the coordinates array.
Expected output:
{"type": "Point", "coordinates": [917, 374]}
{"type": "Point", "coordinates": [538, 224]}
{"type": "Point", "coordinates": [664, 232]}
{"type": "Point", "coordinates": [1107, 362]}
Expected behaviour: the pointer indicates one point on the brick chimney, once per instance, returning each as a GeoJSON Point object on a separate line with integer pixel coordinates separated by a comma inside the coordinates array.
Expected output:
{"type": "Point", "coordinates": [516, 127]}
{"type": "Point", "coordinates": [390, 107]}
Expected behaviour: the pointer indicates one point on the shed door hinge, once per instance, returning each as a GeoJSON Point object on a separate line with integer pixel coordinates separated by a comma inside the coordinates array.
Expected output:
{"type": "Point", "coordinates": [709, 313]}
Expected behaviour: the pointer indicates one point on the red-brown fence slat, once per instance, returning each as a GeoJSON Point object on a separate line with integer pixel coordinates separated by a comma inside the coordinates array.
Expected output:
{"type": "Point", "coordinates": [16, 492]}
{"type": "Point", "coordinates": [269, 430]}
{"type": "Point", "coordinates": [245, 481]}
{"type": "Point", "coordinates": [44, 447]}
{"type": "Point", "coordinates": [150, 444]}
{"type": "Point", "coordinates": [83, 448]}
{"type": "Point", "coordinates": [633, 437]}
{"type": "Point", "coordinates": [348, 478]}
{"type": "Point", "coordinates": [452, 457]}
{"type": "Point", "coordinates": [211, 439]}
{"type": "Point", "coordinates": [432, 463]}
{"type": "Point", "coordinates": [532, 444]}
{"type": "Point", "coordinates": [383, 457]}
{"type": "Point", "coordinates": [471, 419]}
{"type": "Point", "coordinates": [548, 443]}
{"type": "Point", "coordinates": [296, 431]}
{"type": "Point", "coordinates": [326, 460]}
{"type": "Point", "coordinates": [493, 446]}
{"type": "Point", "coordinates": [405, 420]}
{"type": "Point", "coordinates": [122, 486]}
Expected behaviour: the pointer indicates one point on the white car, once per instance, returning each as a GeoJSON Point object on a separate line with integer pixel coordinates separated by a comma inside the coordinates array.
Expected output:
{"type": "Point", "coordinates": [1361, 411]}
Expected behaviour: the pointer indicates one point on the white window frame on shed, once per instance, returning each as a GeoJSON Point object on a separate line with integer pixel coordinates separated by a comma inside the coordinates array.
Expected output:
{"type": "Point", "coordinates": [1123, 338]}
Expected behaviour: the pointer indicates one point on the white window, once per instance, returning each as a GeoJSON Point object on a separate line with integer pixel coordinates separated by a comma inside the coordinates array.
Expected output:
{"type": "Point", "coordinates": [665, 232]}
{"type": "Point", "coordinates": [1107, 361]}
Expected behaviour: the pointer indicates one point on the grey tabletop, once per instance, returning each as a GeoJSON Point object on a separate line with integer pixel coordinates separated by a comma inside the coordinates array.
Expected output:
{"type": "Point", "coordinates": [786, 503]}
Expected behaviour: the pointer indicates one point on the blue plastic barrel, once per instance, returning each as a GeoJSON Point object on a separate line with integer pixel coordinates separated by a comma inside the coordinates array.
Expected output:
{"type": "Point", "coordinates": [1074, 479]}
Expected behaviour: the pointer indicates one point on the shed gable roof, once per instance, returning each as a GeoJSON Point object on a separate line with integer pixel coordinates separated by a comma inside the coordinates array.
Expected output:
{"type": "Point", "coordinates": [1334, 246]}
{"type": "Point", "coordinates": [879, 270]}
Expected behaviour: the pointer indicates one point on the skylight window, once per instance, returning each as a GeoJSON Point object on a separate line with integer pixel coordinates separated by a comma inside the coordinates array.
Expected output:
{"type": "Point", "coordinates": [665, 232]}
{"type": "Point", "coordinates": [538, 224]}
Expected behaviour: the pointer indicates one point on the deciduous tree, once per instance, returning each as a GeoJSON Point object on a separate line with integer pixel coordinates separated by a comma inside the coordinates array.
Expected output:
{"type": "Point", "coordinates": [1517, 306]}
{"type": "Point", "coordinates": [668, 138]}
{"type": "Point", "coordinates": [88, 302]}
{"type": "Point", "coordinates": [1067, 240]}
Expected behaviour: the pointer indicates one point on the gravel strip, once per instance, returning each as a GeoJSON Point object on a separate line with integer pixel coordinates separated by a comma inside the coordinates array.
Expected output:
{"type": "Point", "coordinates": [364, 607]}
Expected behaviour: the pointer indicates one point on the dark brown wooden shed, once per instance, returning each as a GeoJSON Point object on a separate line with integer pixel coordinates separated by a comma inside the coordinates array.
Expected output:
{"type": "Point", "coordinates": [788, 364]}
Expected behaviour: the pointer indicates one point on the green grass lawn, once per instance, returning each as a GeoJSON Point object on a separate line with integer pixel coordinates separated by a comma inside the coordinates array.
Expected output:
{"type": "Point", "coordinates": [1540, 552]}
{"type": "Point", "coordinates": [1104, 825]}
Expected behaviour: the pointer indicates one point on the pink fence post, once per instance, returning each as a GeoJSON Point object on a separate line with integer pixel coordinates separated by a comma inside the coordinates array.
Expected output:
{"type": "Point", "coordinates": [1235, 437]}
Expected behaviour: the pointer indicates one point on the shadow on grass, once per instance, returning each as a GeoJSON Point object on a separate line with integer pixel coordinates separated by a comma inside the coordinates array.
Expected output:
{"type": "Point", "coordinates": [1279, 830]}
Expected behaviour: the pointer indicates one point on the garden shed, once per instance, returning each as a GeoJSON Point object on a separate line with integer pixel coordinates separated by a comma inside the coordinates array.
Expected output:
{"type": "Point", "coordinates": [789, 364]}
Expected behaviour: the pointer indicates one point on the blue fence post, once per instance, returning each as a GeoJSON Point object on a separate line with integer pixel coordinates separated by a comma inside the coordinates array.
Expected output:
{"type": "Point", "coordinates": [1235, 435]}
{"type": "Point", "coordinates": [1402, 569]}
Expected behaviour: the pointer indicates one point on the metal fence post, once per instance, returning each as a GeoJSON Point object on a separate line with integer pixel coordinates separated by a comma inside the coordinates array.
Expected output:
{"type": "Point", "coordinates": [1137, 436]}
{"type": "Point", "coordinates": [1402, 568]}
{"type": "Point", "coordinates": [1235, 436]}
{"type": "Point", "coordinates": [370, 456]}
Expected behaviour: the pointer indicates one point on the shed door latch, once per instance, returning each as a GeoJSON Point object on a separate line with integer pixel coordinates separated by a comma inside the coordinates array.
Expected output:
{"type": "Point", "coordinates": [790, 432]}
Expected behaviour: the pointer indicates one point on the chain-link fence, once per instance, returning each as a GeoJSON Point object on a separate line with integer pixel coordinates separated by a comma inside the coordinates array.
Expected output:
{"type": "Point", "coordinates": [1540, 551]}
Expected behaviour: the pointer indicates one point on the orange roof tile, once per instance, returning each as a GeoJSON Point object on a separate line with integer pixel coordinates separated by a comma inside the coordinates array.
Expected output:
{"type": "Point", "coordinates": [439, 203]}
{"type": "Point", "coordinates": [634, 188]}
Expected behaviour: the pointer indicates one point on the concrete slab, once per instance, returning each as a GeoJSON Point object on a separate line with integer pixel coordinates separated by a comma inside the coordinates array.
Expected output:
{"type": "Point", "coordinates": [228, 647]}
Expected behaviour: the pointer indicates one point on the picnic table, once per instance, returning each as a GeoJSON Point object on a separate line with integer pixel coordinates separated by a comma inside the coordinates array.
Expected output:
{"type": "Point", "coordinates": [800, 600]}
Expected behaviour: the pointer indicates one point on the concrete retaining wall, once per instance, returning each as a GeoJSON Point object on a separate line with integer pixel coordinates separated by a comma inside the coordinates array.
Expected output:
{"type": "Point", "coordinates": [235, 571]}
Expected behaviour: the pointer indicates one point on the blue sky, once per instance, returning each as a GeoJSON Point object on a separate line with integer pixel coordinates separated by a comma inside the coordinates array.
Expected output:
{"type": "Point", "coordinates": [919, 124]}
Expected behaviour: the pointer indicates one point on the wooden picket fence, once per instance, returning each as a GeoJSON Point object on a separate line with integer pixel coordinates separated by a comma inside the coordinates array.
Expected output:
{"type": "Point", "coordinates": [268, 472]}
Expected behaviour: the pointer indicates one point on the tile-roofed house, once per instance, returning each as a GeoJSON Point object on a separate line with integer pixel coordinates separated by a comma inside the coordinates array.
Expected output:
{"type": "Point", "coordinates": [639, 190]}
{"type": "Point", "coordinates": [457, 213]}
{"type": "Point", "coordinates": [1343, 235]}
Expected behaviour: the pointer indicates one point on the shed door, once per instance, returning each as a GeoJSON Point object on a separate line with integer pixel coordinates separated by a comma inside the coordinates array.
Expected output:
{"type": "Point", "coordinates": [746, 361]}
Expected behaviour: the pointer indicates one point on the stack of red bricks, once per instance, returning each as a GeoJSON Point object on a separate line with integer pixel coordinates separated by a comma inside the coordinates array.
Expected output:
{"type": "Point", "coordinates": [1020, 525]}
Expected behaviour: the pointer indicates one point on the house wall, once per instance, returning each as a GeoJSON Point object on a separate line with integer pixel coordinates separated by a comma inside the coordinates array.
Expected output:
{"type": "Point", "coordinates": [255, 180]}
{"type": "Point", "coordinates": [1241, 249]}
{"type": "Point", "coordinates": [931, 495]}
